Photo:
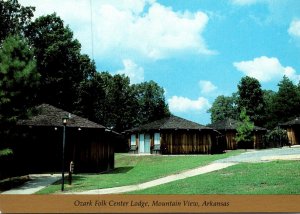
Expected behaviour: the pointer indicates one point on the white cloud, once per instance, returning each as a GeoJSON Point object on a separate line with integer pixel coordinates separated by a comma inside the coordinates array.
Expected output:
{"type": "Point", "coordinates": [133, 71]}
{"type": "Point", "coordinates": [266, 69]}
{"type": "Point", "coordinates": [184, 104]}
{"type": "Point", "coordinates": [207, 86]}
{"type": "Point", "coordinates": [294, 29]}
{"type": "Point", "coordinates": [124, 28]}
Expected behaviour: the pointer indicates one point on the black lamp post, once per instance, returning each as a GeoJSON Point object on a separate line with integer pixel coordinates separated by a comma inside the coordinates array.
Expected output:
{"type": "Point", "coordinates": [64, 121]}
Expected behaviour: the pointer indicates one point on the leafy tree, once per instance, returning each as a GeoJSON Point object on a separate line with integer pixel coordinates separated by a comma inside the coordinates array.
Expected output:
{"type": "Point", "coordinates": [59, 61]}
{"type": "Point", "coordinates": [223, 107]}
{"type": "Point", "coordinates": [19, 79]}
{"type": "Point", "coordinates": [286, 102]}
{"type": "Point", "coordinates": [122, 104]}
{"type": "Point", "coordinates": [271, 120]}
{"type": "Point", "coordinates": [244, 136]}
{"type": "Point", "coordinates": [151, 102]}
{"type": "Point", "coordinates": [13, 18]}
{"type": "Point", "coordinates": [250, 97]}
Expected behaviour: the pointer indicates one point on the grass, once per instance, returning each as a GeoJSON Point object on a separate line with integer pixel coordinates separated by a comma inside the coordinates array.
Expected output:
{"type": "Point", "coordinates": [134, 169]}
{"type": "Point", "coordinates": [277, 177]}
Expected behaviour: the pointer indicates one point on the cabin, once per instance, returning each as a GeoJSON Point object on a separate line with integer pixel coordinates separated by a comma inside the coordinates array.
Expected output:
{"type": "Point", "coordinates": [173, 135]}
{"type": "Point", "coordinates": [228, 128]}
{"type": "Point", "coordinates": [89, 145]}
{"type": "Point", "coordinates": [293, 130]}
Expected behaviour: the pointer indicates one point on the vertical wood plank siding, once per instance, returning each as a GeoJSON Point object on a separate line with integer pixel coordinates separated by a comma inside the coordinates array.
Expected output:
{"type": "Point", "coordinates": [190, 142]}
{"type": "Point", "coordinates": [93, 151]}
{"type": "Point", "coordinates": [291, 136]}
{"type": "Point", "coordinates": [230, 139]}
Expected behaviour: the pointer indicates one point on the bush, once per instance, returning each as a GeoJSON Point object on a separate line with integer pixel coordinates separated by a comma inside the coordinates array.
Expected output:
{"type": "Point", "coordinates": [6, 152]}
{"type": "Point", "coordinates": [276, 138]}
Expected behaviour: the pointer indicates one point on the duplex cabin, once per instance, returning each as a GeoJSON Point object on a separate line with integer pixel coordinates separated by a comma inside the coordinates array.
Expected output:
{"type": "Point", "coordinates": [89, 145]}
{"type": "Point", "coordinates": [228, 128]}
{"type": "Point", "coordinates": [293, 130]}
{"type": "Point", "coordinates": [172, 135]}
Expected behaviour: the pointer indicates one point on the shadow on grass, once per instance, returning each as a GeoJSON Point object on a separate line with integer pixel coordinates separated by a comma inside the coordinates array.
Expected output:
{"type": "Point", "coordinates": [119, 170]}
{"type": "Point", "coordinates": [8, 184]}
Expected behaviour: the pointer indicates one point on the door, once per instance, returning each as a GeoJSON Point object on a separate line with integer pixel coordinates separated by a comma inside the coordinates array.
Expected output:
{"type": "Point", "coordinates": [147, 143]}
{"type": "Point", "coordinates": [141, 143]}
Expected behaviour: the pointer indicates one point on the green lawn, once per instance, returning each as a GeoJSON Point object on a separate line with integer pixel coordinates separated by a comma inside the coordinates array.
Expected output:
{"type": "Point", "coordinates": [134, 169]}
{"type": "Point", "coordinates": [277, 177]}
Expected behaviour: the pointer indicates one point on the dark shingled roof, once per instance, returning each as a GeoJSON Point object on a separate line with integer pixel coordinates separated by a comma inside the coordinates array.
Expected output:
{"type": "Point", "coordinates": [295, 121]}
{"type": "Point", "coordinates": [170, 123]}
{"type": "Point", "coordinates": [230, 124]}
{"type": "Point", "coordinates": [49, 115]}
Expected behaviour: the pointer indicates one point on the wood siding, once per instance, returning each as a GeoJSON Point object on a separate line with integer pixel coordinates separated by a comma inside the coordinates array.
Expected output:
{"type": "Point", "coordinates": [230, 140]}
{"type": "Point", "coordinates": [292, 136]}
{"type": "Point", "coordinates": [91, 150]}
{"type": "Point", "coordinates": [186, 142]}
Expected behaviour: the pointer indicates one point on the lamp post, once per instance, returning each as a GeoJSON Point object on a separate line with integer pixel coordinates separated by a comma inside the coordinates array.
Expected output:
{"type": "Point", "coordinates": [64, 121]}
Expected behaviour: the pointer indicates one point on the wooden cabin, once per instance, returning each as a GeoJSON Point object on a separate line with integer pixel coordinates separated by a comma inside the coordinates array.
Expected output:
{"type": "Point", "coordinates": [89, 145]}
{"type": "Point", "coordinates": [228, 128]}
{"type": "Point", "coordinates": [173, 135]}
{"type": "Point", "coordinates": [293, 130]}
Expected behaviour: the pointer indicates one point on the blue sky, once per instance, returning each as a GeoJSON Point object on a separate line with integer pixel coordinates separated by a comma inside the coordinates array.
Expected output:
{"type": "Point", "coordinates": [196, 49]}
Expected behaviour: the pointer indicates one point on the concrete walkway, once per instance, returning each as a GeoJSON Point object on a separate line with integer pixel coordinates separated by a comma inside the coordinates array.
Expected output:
{"type": "Point", "coordinates": [175, 177]}
{"type": "Point", "coordinates": [36, 183]}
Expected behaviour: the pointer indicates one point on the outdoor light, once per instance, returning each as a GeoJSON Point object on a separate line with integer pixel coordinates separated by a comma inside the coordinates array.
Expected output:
{"type": "Point", "coordinates": [64, 121]}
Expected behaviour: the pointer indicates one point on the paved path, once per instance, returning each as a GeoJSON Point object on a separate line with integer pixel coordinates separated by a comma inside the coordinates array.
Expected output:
{"type": "Point", "coordinates": [252, 156]}
{"type": "Point", "coordinates": [186, 174]}
{"type": "Point", "coordinates": [36, 183]}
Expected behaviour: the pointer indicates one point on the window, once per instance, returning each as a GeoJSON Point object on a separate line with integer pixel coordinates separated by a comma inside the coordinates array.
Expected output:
{"type": "Point", "coordinates": [133, 140]}
{"type": "Point", "coordinates": [156, 138]}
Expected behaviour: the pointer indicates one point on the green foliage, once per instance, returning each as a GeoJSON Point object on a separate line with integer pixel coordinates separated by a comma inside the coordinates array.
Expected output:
{"type": "Point", "coordinates": [270, 119]}
{"type": "Point", "coordinates": [68, 79]}
{"type": "Point", "coordinates": [113, 102]}
{"type": "Point", "coordinates": [222, 108]}
{"type": "Point", "coordinates": [250, 97]}
{"type": "Point", "coordinates": [6, 152]}
{"type": "Point", "coordinates": [276, 138]}
{"type": "Point", "coordinates": [244, 136]}
{"type": "Point", "coordinates": [13, 18]}
{"type": "Point", "coordinates": [151, 102]}
{"type": "Point", "coordinates": [59, 61]}
{"type": "Point", "coordinates": [19, 79]}
{"type": "Point", "coordinates": [286, 102]}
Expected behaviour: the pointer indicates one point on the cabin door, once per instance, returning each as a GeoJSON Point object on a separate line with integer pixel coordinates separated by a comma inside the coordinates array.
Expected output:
{"type": "Point", "coordinates": [147, 143]}
{"type": "Point", "coordinates": [141, 143]}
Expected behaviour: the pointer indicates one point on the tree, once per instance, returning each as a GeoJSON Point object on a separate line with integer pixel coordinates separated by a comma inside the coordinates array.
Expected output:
{"type": "Point", "coordinates": [250, 97]}
{"type": "Point", "coordinates": [19, 79]}
{"type": "Point", "coordinates": [286, 102]}
{"type": "Point", "coordinates": [13, 18]}
{"type": "Point", "coordinates": [223, 107]}
{"type": "Point", "coordinates": [151, 102]}
{"type": "Point", "coordinates": [19, 82]}
{"type": "Point", "coordinates": [59, 61]}
{"type": "Point", "coordinates": [271, 120]}
{"type": "Point", "coordinates": [244, 135]}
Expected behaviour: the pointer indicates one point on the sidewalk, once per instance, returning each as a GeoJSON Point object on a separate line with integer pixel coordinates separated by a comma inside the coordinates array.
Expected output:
{"type": "Point", "coordinates": [36, 183]}
{"type": "Point", "coordinates": [186, 174]}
